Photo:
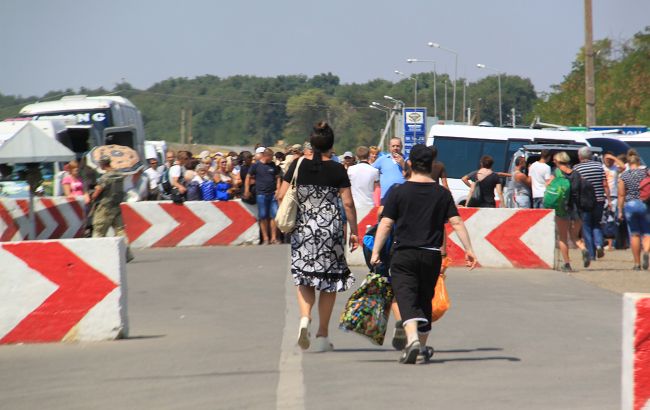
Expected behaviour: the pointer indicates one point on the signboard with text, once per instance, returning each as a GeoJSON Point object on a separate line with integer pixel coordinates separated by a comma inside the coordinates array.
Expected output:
{"type": "Point", "coordinates": [415, 129]}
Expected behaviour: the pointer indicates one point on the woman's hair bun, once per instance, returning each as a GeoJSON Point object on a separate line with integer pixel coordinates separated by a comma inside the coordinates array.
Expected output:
{"type": "Point", "coordinates": [321, 126]}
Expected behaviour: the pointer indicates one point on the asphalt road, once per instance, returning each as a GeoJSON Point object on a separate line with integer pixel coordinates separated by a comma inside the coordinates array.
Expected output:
{"type": "Point", "coordinates": [215, 328]}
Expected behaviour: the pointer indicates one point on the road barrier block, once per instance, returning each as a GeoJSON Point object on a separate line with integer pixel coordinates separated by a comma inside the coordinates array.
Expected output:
{"type": "Point", "coordinates": [501, 237]}
{"type": "Point", "coordinates": [636, 352]}
{"type": "Point", "coordinates": [63, 290]}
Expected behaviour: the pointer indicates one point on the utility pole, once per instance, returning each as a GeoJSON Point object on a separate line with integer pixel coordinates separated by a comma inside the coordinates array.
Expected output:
{"type": "Point", "coordinates": [513, 113]}
{"type": "Point", "coordinates": [464, 95]}
{"type": "Point", "coordinates": [590, 83]}
{"type": "Point", "coordinates": [446, 100]}
{"type": "Point", "coordinates": [182, 125]}
{"type": "Point", "coordinates": [189, 126]}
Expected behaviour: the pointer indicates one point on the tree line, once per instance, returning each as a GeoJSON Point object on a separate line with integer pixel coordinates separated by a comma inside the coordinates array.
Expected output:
{"type": "Point", "coordinates": [243, 110]}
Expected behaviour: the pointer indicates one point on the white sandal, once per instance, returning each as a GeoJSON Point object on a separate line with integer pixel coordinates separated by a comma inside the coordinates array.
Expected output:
{"type": "Point", "coordinates": [322, 344]}
{"type": "Point", "coordinates": [303, 333]}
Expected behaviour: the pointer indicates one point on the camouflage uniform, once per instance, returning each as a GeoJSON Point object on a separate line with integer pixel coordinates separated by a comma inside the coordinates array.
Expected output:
{"type": "Point", "coordinates": [107, 212]}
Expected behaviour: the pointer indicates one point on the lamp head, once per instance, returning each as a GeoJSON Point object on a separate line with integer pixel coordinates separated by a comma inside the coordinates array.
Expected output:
{"type": "Point", "coordinates": [434, 45]}
{"type": "Point", "coordinates": [480, 65]}
{"type": "Point", "coordinates": [411, 60]}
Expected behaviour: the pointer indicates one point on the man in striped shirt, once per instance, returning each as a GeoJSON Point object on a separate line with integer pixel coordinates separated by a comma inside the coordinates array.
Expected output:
{"type": "Point", "coordinates": [593, 172]}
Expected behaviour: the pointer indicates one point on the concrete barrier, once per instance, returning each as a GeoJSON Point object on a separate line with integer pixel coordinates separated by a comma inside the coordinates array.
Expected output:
{"type": "Point", "coordinates": [160, 224]}
{"type": "Point", "coordinates": [502, 237]}
{"type": "Point", "coordinates": [56, 218]}
{"type": "Point", "coordinates": [636, 352]}
{"type": "Point", "coordinates": [62, 290]}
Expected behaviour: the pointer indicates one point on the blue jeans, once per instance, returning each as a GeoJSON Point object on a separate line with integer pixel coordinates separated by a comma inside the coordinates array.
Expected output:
{"type": "Point", "coordinates": [592, 232]}
{"type": "Point", "coordinates": [637, 217]}
{"type": "Point", "coordinates": [538, 203]}
{"type": "Point", "coordinates": [267, 206]}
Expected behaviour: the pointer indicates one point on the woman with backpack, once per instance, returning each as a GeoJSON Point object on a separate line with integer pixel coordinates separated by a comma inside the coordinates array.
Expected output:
{"type": "Point", "coordinates": [567, 217]}
{"type": "Point", "coordinates": [486, 182]}
{"type": "Point", "coordinates": [635, 210]}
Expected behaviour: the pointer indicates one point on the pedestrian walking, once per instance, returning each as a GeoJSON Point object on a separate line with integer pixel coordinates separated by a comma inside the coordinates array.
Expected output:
{"type": "Point", "coordinates": [635, 211]}
{"type": "Point", "coordinates": [540, 175]}
{"type": "Point", "coordinates": [593, 174]}
{"type": "Point", "coordinates": [391, 167]}
{"type": "Point", "coordinates": [438, 170]}
{"type": "Point", "coordinates": [107, 197]}
{"type": "Point", "coordinates": [567, 216]}
{"type": "Point", "coordinates": [419, 209]}
{"type": "Point", "coordinates": [267, 182]}
{"type": "Point", "coordinates": [363, 179]}
{"type": "Point", "coordinates": [317, 245]}
{"type": "Point", "coordinates": [521, 185]}
{"type": "Point", "coordinates": [487, 182]}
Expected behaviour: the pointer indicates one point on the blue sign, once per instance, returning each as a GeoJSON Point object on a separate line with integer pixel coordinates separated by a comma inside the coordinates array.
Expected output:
{"type": "Point", "coordinates": [415, 127]}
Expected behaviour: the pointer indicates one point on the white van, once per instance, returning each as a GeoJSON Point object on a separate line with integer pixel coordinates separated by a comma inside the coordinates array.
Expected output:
{"type": "Point", "coordinates": [460, 148]}
{"type": "Point", "coordinates": [99, 120]}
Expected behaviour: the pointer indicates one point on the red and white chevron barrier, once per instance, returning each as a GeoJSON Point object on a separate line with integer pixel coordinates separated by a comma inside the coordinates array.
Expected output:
{"type": "Point", "coordinates": [62, 290]}
{"type": "Point", "coordinates": [636, 352]}
{"type": "Point", "coordinates": [502, 238]}
{"type": "Point", "coordinates": [56, 218]}
{"type": "Point", "coordinates": [194, 223]}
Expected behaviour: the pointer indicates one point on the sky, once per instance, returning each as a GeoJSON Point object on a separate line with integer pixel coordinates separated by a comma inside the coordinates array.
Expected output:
{"type": "Point", "coordinates": [53, 45]}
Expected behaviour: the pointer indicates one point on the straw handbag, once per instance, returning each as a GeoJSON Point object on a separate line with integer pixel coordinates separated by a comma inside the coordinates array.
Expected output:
{"type": "Point", "coordinates": [285, 219]}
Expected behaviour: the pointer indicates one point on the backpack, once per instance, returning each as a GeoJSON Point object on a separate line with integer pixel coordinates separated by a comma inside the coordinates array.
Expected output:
{"type": "Point", "coordinates": [557, 194]}
{"type": "Point", "coordinates": [644, 188]}
{"type": "Point", "coordinates": [587, 196]}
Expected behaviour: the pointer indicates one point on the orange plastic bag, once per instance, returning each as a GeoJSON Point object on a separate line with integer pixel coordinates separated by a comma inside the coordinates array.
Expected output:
{"type": "Point", "coordinates": [440, 302]}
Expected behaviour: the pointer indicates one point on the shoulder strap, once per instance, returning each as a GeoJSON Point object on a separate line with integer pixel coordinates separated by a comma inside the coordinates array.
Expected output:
{"type": "Point", "coordinates": [294, 178]}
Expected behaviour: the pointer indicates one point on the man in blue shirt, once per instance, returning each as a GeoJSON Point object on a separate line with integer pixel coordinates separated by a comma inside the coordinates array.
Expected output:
{"type": "Point", "coordinates": [391, 167]}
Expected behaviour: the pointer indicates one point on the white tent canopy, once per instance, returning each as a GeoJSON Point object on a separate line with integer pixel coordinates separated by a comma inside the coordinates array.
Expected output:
{"type": "Point", "coordinates": [31, 144]}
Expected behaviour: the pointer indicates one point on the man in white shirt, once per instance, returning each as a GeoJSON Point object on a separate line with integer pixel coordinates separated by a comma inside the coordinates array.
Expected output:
{"type": "Point", "coordinates": [363, 179]}
{"type": "Point", "coordinates": [154, 179]}
{"type": "Point", "coordinates": [540, 173]}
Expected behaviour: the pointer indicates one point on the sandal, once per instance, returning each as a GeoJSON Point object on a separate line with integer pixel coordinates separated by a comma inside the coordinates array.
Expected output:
{"type": "Point", "coordinates": [399, 336]}
{"type": "Point", "coordinates": [411, 352]}
{"type": "Point", "coordinates": [303, 333]}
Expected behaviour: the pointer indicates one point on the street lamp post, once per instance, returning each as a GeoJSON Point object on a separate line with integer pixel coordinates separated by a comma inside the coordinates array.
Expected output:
{"type": "Point", "coordinates": [435, 98]}
{"type": "Point", "coordinates": [499, 84]}
{"type": "Point", "coordinates": [436, 45]}
{"type": "Point", "coordinates": [415, 90]}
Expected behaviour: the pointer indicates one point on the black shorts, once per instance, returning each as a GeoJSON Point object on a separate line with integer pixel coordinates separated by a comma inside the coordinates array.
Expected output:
{"type": "Point", "coordinates": [414, 275]}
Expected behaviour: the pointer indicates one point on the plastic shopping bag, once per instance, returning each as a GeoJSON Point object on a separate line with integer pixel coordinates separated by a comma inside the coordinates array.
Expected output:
{"type": "Point", "coordinates": [366, 311]}
{"type": "Point", "coordinates": [441, 302]}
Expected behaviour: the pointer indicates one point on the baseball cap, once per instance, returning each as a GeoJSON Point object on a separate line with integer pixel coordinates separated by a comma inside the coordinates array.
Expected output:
{"type": "Point", "coordinates": [347, 154]}
{"type": "Point", "coordinates": [260, 150]}
{"type": "Point", "coordinates": [420, 153]}
{"type": "Point", "coordinates": [204, 154]}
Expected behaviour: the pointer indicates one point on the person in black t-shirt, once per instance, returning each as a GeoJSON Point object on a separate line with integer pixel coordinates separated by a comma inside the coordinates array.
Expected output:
{"type": "Point", "coordinates": [267, 183]}
{"type": "Point", "coordinates": [419, 209]}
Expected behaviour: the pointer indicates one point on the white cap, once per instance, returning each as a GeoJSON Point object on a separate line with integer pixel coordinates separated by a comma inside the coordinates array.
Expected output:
{"type": "Point", "coordinates": [348, 154]}
{"type": "Point", "coordinates": [204, 154]}
{"type": "Point", "coordinates": [260, 150]}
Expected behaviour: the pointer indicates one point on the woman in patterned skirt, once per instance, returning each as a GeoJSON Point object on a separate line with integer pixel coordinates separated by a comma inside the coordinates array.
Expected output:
{"type": "Point", "coordinates": [317, 243]}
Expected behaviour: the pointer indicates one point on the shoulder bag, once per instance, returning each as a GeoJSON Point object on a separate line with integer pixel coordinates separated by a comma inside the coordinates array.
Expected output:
{"type": "Point", "coordinates": [285, 218]}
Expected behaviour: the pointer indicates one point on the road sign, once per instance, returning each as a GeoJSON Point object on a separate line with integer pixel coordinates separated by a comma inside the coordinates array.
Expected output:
{"type": "Point", "coordinates": [415, 129]}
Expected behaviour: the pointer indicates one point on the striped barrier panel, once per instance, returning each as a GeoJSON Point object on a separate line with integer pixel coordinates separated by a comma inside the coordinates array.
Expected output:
{"type": "Point", "coordinates": [636, 352]}
{"type": "Point", "coordinates": [501, 237]}
{"type": "Point", "coordinates": [62, 290]}
{"type": "Point", "coordinates": [161, 224]}
{"type": "Point", "coordinates": [55, 218]}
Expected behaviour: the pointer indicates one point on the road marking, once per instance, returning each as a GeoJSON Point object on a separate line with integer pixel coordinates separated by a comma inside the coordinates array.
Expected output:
{"type": "Point", "coordinates": [291, 388]}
